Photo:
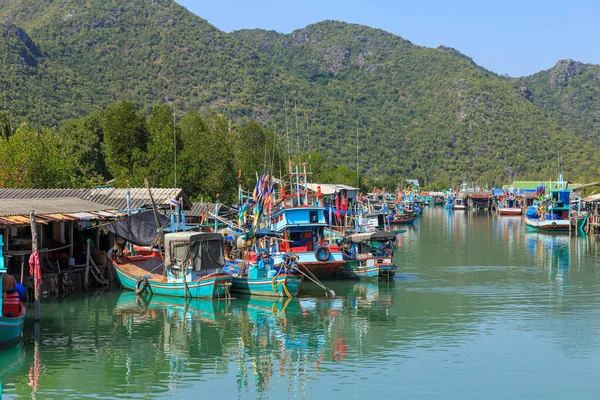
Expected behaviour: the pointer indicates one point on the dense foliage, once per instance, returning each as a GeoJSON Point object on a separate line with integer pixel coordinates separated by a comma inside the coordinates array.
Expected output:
{"type": "Point", "coordinates": [423, 113]}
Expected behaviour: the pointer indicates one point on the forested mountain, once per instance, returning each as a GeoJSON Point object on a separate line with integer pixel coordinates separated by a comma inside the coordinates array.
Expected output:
{"type": "Point", "coordinates": [421, 112]}
{"type": "Point", "coordinates": [571, 92]}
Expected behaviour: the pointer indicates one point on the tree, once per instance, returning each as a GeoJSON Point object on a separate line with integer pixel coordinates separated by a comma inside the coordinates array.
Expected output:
{"type": "Point", "coordinates": [82, 139]}
{"type": "Point", "coordinates": [160, 155]}
{"type": "Point", "coordinates": [125, 142]}
{"type": "Point", "coordinates": [207, 166]}
{"type": "Point", "coordinates": [34, 160]}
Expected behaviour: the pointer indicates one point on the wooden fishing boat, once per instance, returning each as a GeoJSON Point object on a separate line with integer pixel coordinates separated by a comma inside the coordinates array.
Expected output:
{"type": "Point", "coordinates": [262, 279]}
{"type": "Point", "coordinates": [12, 311]}
{"type": "Point", "coordinates": [191, 267]}
{"type": "Point", "coordinates": [366, 256]}
{"type": "Point", "coordinates": [459, 204]}
{"type": "Point", "coordinates": [303, 230]}
{"type": "Point", "coordinates": [553, 212]}
{"type": "Point", "coordinates": [510, 210]}
{"type": "Point", "coordinates": [403, 219]}
{"type": "Point", "coordinates": [509, 203]}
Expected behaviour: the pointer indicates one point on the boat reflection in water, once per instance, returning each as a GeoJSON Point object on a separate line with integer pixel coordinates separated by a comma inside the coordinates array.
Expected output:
{"type": "Point", "coordinates": [11, 359]}
{"type": "Point", "coordinates": [270, 342]}
{"type": "Point", "coordinates": [552, 253]}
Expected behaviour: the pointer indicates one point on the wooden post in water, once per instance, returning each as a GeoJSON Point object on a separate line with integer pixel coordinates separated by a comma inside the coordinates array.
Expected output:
{"type": "Point", "coordinates": [34, 249]}
{"type": "Point", "coordinates": [86, 281]}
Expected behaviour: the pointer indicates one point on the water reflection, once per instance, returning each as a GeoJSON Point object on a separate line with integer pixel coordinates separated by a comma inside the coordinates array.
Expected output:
{"type": "Point", "coordinates": [483, 297]}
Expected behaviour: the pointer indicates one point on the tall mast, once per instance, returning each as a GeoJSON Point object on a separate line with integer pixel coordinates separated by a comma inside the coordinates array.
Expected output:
{"type": "Point", "coordinates": [297, 130]}
{"type": "Point", "coordinates": [357, 178]}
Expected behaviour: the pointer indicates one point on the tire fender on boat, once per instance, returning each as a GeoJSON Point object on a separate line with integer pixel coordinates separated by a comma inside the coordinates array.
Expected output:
{"type": "Point", "coordinates": [322, 253]}
{"type": "Point", "coordinates": [553, 224]}
{"type": "Point", "coordinates": [573, 221]}
{"type": "Point", "coordinates": [141, 285]}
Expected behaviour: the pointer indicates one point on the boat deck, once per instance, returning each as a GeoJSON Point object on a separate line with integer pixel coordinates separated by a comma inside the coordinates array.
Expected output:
{"type": "Point", "coordinates": [143, 265]}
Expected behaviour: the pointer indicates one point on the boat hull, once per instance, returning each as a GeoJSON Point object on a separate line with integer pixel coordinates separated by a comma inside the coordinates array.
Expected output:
{"type": "Point", "coordinates": [367, 269]}
{"type": "Point", "coordinates": [510, 211]}
{"type": "Point", "coordinates": [212, 286]}
{"type": "Point", "coordinates": [11, 328]}
{"type": "Point", "coordinates": [279, 286]}
{"type": "Point", "coordinates": [548, 225]}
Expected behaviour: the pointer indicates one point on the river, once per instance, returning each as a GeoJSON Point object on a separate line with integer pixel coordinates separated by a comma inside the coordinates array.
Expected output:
{"type": "Point", "coordinates": [480, 308]}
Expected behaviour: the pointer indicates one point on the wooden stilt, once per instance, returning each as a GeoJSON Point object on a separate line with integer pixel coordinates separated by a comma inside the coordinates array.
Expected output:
{"type": "Point", "coordinates": [34, 249]}
{"type": "Point", "coordinates": [86, 281]}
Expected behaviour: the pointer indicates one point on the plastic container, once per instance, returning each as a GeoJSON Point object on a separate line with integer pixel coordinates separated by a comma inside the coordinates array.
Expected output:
{"type": "Point", "coordinates": [564, 196]}
{"type": "Point", "coordinates": [548, 217]}
{"type": "Point", "coordinates": [71, 262]}
{"type": "Point", "coordinates": [271, 273]}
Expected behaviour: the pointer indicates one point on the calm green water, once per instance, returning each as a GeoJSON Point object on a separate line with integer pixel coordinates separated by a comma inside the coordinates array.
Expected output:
{"type": "Point", "coordinates": [480, 309]}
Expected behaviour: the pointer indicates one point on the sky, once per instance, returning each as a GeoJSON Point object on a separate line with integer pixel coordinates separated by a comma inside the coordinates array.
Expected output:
{"type": "Point", "coordinates": [511, 37]}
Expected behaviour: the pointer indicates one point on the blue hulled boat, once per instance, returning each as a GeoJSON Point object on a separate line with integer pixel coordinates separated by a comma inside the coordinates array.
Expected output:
{"type": "Point", "coordinates": [191, 267]}
{"type": "Point", "coordinates": [369, 255]}
{"type": "Point", "coordinates": [262, 279]}
{"type": "Point", "coordinates": [12, 311]}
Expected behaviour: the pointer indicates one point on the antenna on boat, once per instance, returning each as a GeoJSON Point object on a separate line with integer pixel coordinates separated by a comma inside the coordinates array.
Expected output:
{"type": "Point", "coordinates": [287, 130]}
{"type": "Point", "coordinates": [174, 151]}
{"type": "Point", "coordinates": [297, 131]}
{"type": "Point", "coordinates": [308, 134]}
{"type": "Point", "coordinates": [357, 178]}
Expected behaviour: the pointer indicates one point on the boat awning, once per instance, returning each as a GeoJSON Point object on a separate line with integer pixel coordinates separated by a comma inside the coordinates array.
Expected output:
{"type": "Point", "coordinates": [371, 236]}
{"type": "Point", "coordinates": [591, 199]}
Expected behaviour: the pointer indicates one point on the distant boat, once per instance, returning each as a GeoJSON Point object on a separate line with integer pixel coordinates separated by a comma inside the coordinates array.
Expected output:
{"type": "Point", "coordinates": [509, 203]}
{"type": "Point", "coordinates": [553, 212]}
{"type": "Point", "coordinates": [509, 210]}
{"type": "Point", "coordinates": [366, 259]}
{"type": "Point", "coordinates": [190, 267]}
{"type": "Point", "coordinates": [459, 204]}
{"type": "Point", "coordinates": [12, 311]}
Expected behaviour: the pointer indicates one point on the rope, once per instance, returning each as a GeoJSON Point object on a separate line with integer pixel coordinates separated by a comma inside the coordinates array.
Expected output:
{"type": "Point", "coordinates": [282, 283]}
{"type": "Point", "coordinates": [314, 279]}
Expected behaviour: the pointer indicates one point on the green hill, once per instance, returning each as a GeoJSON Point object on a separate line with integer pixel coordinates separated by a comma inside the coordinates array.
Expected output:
{"type": "Point", "coordinates": [422, 112]}
{"type": "Point", "coordinates": [571, 92]}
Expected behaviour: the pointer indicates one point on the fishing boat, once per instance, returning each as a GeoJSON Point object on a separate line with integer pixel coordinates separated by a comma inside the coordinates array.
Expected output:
{"type": "Point", "coordinates": [12, 311]}
{"type": "Point", "coordinates": [190, 267]}
{"type": "Point", "coordinates": [438, 198]}
{"type": "Point", "coordinates": [369, 255]}
{"type": "Point", "coordinates": [303, 230]}
{"type": "Point", "coordinates": [403, 219]}
{"type": "Point", "coordinates": [509, 204]}
{"type": "Point", "coordinates": [553, 211]}
{"type": "Point", "coordinates": [261, 278]}
{"type": "Point", "coordinates": [459, 204]}
{"type": "Point", "coordinates": [299, 219]}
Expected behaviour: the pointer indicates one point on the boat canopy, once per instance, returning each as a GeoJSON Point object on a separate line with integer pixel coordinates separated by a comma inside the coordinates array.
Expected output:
{"type": "Point", "coordinates": [371, 236]}
{"type": "Point", "coordinates": [139, 229]}
{"type": "Point", "coordinates": [205, 249]}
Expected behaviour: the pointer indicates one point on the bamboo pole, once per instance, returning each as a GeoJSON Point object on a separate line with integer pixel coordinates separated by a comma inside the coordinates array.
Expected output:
{"type": "Point", "coordinates": [86, 281]}
{"type": "Point", "coordinates": [34, 249]}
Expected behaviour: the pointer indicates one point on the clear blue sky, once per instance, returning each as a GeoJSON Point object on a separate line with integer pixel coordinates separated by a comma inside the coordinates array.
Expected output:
{"type": "Point", "coordinates": [514, 37]}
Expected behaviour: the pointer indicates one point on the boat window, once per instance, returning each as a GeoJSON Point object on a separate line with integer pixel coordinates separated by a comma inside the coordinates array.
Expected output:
{"type": "Point", "coordinates": [314, 216]}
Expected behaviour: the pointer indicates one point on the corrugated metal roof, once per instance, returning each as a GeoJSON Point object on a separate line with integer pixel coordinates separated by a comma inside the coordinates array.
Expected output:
{"type": "Point", "coordinates": [591, 199]}
{"type": "Point", "coordinates": [110, 197]}
{"type": "Point", "coordinates": [327, 188]}
{"type": "Point", "coordinates": [12, 207]}
{"type": "Point", "coordinates": [199, 209]}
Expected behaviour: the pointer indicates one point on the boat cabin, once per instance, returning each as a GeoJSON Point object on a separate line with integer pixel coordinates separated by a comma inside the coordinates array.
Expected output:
{"type": "Point", "coordinates": [302, 227]}
{"type": "Point", "coordinates": [199, 253]}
